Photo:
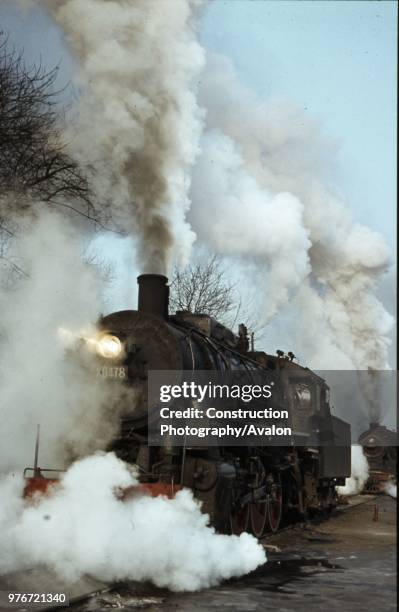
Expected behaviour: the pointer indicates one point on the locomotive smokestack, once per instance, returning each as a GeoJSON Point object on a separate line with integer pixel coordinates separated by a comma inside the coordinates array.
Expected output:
{"type": "Point", "coordinates": [154, 294]}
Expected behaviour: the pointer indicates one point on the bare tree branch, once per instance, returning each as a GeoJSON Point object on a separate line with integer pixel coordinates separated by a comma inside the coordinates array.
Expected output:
{"type": "Point", "coordinates": [33, 156]}
{"type": "Point", "coordinates": [35, 166]}
{"type": "Point", "coordinates": [204, 288]}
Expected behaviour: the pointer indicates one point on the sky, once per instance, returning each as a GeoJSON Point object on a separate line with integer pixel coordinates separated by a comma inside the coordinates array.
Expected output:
{"type": "Point", "coordinates": [336, 60]}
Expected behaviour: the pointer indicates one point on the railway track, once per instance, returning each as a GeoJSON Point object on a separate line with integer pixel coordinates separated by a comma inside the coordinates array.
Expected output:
{"type": "Point", "coordinates": [316, 520]}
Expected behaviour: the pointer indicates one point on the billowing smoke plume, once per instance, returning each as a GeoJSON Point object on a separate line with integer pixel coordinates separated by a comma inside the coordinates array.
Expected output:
{"type": "Point", "coordinates": [89, 531]}
{"type": "Point", "coordinates": [359, 473]}
{"type": "Point", "coordinates": [39, 383]}
{"type": "Point", "coordinates": [139, 122]}
{"type": "Point", "coordinates": [265, 167]}
{"type": "Point", "coordinates": [238, 216]}
{"type": "Point", "coordinates": [262, 188]}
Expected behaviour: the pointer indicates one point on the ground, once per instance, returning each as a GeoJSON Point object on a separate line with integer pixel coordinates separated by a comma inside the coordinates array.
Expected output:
{"type": "Point", "coordinates": [347, 562]}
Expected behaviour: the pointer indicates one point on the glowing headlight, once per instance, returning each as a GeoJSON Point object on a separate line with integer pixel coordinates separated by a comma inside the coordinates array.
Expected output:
{"type": "Point", "coordinates": [109, 346]}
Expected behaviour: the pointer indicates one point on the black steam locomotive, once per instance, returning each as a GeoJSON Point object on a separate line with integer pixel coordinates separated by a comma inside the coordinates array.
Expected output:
{"type": "Point", "coordinates": [241, 488]}
{"type": "Point", "coordinates": [380, 447]}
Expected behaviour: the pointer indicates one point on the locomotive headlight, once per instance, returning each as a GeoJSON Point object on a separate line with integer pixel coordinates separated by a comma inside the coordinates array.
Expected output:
{"type": "Point", "coordinates": [109, 346]}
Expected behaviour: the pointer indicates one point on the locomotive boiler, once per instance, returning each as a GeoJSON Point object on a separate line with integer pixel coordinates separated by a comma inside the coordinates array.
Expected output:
{"type": "Point", "coordinates": [251, 488]}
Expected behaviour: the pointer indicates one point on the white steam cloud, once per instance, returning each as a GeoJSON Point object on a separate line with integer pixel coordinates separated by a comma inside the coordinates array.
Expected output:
{"type": "Point", "coordinates": [139, 123]}
{"type": "Point", "coordinates": [237, 216]}
{"type": "Point", "coordinates": [82, 528]}
{"type": "Point", "coordinates": [359, 473]}
{"type": "Point", "coordinates": [262, 190]}
{"type": "Point", "coordinates": [39, 383]}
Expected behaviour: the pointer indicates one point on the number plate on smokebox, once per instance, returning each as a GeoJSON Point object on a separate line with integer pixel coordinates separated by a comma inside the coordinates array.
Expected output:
{"type": "Point", "coordinates": [116, 372]}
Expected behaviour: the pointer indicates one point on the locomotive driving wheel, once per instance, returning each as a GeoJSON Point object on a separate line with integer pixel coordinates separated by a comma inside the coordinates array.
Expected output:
{"type": "Point", "coordinates": [275, 505]}
{"type": "Point", "coordinates": [259, 513]}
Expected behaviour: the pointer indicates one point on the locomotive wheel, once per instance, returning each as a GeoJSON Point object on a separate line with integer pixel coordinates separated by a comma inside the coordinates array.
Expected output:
{"type": "Point", "coordinates": [239, 520]}
{"type": "Point", "coordinates": [259, 515]}
{"type": "Point", "coordinates": [275, 506]}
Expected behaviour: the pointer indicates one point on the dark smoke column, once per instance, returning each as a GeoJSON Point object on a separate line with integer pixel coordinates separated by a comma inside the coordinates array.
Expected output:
{"type": "Point", "coordinates": [139, 122]}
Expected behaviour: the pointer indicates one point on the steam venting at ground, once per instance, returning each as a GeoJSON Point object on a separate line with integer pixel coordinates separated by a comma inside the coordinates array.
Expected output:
{"type": "Point", "coordinates": [82, 528]}
{"type": "Point", "coordinates": [359, 473]}
{"type": "Point", "coordinates": [41, 383]}
{"type": "Point", "coordinates": [139, 122]}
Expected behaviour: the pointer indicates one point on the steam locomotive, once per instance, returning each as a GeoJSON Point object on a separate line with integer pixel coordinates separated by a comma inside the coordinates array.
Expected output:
{"type": "Point", "coordinates": [248, 488]}
{"type": "Point", "coordinates": [380, 448]}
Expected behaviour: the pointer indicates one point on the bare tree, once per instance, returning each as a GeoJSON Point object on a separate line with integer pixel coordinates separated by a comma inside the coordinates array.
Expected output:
{"type": "Point", "coordinates": [34, 162]}
{"type": "Point", "coordinates": [33, 156]}
{"type": "Point", "coordinates": [203, 288]}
